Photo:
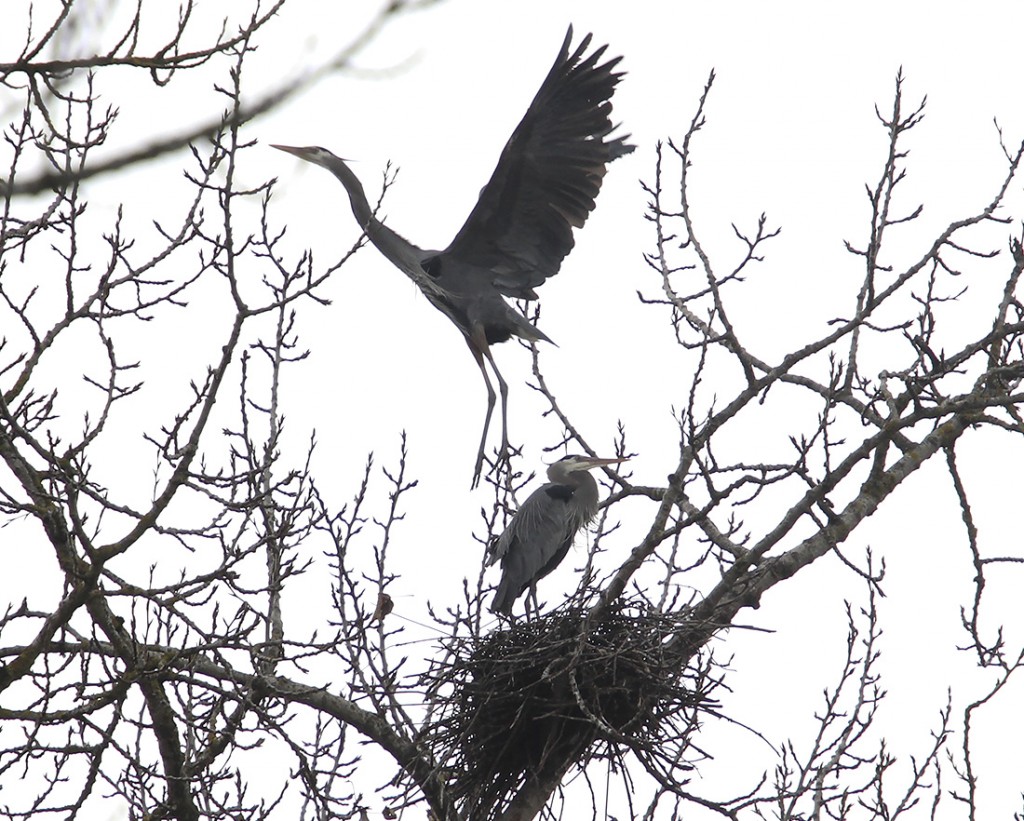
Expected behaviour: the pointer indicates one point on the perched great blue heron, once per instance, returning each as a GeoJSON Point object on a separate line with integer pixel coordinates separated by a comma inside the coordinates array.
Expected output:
{"type": "Point", "coordinates": [542, 530]}
{"type": "Point", "coordinates": [545, 184]}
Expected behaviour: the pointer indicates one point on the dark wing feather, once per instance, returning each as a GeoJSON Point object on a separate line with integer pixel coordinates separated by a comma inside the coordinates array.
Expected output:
{"type": "Point", "coordinates": [533, 544]}
{"type": "Point", "coordinates": [547, 178]}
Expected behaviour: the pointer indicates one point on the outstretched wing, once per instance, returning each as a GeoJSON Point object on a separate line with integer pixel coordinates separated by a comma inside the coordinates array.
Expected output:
{"type": "Point", "coordinates": [548, 176]}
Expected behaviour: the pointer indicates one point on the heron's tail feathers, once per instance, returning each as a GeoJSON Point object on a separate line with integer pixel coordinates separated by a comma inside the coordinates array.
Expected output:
{"type": "Point", "coordinates": [504, 599]}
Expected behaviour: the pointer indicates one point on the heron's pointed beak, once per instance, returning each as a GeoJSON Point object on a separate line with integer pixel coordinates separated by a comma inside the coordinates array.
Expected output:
{"type": "Point", "coordinates": [311, 153]}
{"type": "Point", "coordinates": [598, 462]}
{"type": "Point", "coordinates": [291, 149]}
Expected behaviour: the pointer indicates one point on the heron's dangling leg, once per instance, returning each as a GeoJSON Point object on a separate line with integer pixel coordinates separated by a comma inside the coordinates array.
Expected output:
{"type": "Point", "coordinates": [503, 390]}
{"type": "Point", "coordinates": [479, 357]}
{"type": "Point", "coordinates": [481, 350]}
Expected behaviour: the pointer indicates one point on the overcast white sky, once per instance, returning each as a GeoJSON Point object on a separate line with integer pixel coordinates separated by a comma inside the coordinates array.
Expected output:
{"type": "Point", "coordinates": [791, 132]}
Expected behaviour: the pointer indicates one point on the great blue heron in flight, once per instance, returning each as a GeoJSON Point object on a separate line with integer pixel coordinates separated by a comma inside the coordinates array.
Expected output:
{"type": "Point", "coordinates": [542, 530]}
{"type": "Point", "coordinates": [545, 184]}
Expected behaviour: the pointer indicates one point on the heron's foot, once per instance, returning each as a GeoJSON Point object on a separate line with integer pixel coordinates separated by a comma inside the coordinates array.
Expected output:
{"type": "Point", "coordinates": [478, 468]}
{"type": "Point", "coordinates": [499, 469]}
{"type": "Point", "coordinates": [503, 457]}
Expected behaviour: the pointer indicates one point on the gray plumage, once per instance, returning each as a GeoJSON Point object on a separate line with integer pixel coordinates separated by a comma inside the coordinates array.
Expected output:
{"type": "Point", "coordinates": [545, 184]}
{"type": "Point", "coordinates": [541, 532]}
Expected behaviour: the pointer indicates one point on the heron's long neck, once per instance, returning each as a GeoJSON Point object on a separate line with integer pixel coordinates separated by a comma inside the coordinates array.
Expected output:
{"type": "Point", "coordinates": [586, 495]}
{"type": "Point", "coordinates": [356, 196]}
{"type": "Point", "coordinates": [392, 245]}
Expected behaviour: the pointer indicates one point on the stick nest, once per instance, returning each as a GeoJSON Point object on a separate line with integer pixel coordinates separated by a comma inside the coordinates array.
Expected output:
{"type": "Point", "coordinates": [564, 687]}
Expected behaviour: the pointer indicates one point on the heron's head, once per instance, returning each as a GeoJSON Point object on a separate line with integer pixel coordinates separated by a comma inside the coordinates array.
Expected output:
{"type": "Point", "coordinates": [310, 153]}
{"type": "Point", "coordinates": [575, 463]}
